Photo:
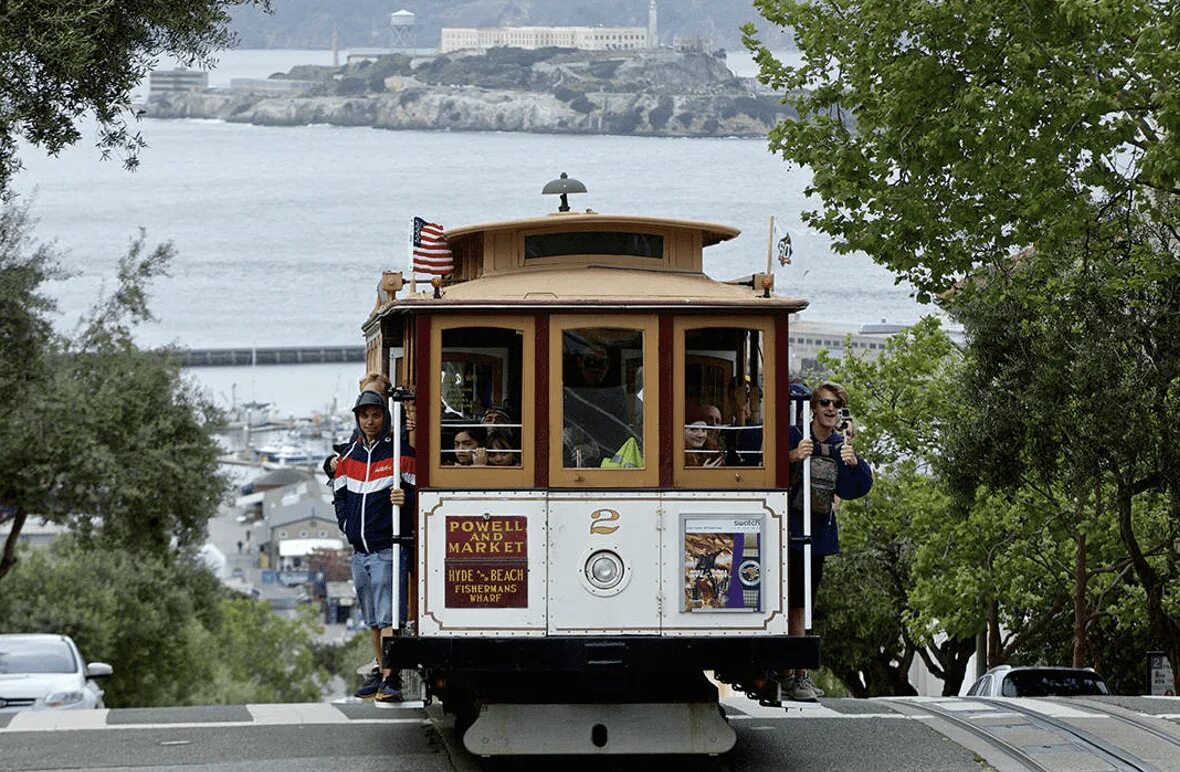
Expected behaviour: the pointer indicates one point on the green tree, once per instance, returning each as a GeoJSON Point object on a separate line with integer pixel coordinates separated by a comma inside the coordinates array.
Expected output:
{"type": "Point", "coordinates": [1074, 369]}
{"type": "Point", "coordinates": [62, 60]}
{"type": "Point", "coordinates": [172, 633]}
{"type": "Point", "coordinates": [980, 128]}
{"type": "Point", "coordinates": [262, 657]}
{"type": "Point", "coordinates": [1025, 154]}
{"type": "Point", "coordinates": [94, 432]}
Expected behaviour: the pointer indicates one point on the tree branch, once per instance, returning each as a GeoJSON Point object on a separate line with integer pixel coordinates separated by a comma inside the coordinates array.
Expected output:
{"type": "Point", "coordinates": [18, 522]}
{"type": "Point", "coordinates": [1032, 631]}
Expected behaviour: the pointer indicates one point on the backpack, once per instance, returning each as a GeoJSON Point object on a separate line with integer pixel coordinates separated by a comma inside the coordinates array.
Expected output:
{"type": "Point", "coordinates": [824, 470]}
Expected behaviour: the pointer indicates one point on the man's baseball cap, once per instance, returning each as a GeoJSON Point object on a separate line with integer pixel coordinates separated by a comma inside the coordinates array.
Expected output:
{"type": "Point", "coordinates": [368, 398]}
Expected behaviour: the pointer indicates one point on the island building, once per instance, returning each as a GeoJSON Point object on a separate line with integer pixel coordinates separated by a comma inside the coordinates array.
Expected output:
{"type": "Point", "coordinates": [177, 81]}
{"type": "Point", "coordinates": [583, 38]}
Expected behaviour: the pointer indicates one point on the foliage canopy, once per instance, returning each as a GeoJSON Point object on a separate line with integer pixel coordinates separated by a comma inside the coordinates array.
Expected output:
{"type": "Point", "coordinates": [95, 432]}
{"type": "Point", "coordinates": [945, 136]}
{"type": "Point", "coordinates": [61, 61]}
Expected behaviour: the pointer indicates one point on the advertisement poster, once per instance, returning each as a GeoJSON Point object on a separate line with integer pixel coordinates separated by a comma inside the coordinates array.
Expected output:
{"type": "Point", "coordinates": [487, 562]}
{"type": "Point", "coordinates": [722, 563]}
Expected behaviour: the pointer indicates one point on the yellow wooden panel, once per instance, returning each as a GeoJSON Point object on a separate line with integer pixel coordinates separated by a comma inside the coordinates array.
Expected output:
{"type": "Point", "coordinates": [724, 477]}
{"type": "Point", "coordinates": [484, 477]}
{"type": "Point", "coordinates": [648, 476]}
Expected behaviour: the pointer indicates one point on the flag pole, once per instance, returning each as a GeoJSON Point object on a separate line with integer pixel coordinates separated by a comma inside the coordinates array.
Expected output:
{"type": "Point", "coordinates": [410, 259]}
{"type": "Point", "coordinates": [770, 248]}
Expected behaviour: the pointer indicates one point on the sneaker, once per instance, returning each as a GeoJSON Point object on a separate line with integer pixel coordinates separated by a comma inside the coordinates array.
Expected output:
{"type": "Point", "coordinates": [371, 685]}
{"type": "Point", "coordinates": [368, 668]}
{"type": "Point", "coordinates": [802, 689]}
{"type": "Point", "coordinates": [390, 689]}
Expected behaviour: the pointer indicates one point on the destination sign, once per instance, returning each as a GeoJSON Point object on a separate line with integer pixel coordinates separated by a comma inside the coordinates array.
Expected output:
{"type": "Point", "coordinates": [487, 561]}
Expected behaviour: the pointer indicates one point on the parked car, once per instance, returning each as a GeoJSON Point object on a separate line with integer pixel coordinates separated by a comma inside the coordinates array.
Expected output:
{"type": "Point", "coordinates": [1008, 681]}
{"type": "Point", "coordinates": [47, 672]}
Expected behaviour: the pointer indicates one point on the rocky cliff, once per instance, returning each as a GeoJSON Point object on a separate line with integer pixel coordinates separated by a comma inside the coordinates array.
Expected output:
{"type": "Point", "coordinates": [651, 93]}
{"type": "Point", "coordinates": [469, 108]}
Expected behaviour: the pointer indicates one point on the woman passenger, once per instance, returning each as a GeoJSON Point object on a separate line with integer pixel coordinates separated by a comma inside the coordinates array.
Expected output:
{"type": "Point", "coordinates": [700, 449]}
{"type": "Point", "coordinates": [501, 449]}
{"type": "Point", "coordinates": [469, 446]}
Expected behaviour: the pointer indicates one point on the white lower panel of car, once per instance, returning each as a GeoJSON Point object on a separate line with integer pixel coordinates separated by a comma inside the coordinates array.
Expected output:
{"type": "Point", "coordinates": [602, 563]}
{"type": "Point", "coordinates": [659, 728]}
{"type": "Point", "coordinates": [483, 563]}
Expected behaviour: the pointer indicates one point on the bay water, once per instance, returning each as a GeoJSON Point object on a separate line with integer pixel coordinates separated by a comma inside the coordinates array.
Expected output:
{"type": "Point", "coordinates": [282, 233]}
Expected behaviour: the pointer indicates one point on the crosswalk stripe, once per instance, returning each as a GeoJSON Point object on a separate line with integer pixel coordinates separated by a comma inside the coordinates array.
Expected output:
{"type": "Point", "coordinates": [262, 715]}
{"type": "Point", "coordinates": [748, 710]}
{"type": "Point", "coordinates": [305, 713]}
{"type": "Point", "coordinates": [53, 720]}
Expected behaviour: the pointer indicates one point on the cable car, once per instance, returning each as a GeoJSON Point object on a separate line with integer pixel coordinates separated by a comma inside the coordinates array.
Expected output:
{"type": "Point", "coordinates": [601, 451]}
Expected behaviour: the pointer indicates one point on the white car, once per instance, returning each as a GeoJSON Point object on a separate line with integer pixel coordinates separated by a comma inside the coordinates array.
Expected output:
{"type": "Point", "coordinates": [1008, 681]}
{"type": "Point", "coordinates": [47, 672]}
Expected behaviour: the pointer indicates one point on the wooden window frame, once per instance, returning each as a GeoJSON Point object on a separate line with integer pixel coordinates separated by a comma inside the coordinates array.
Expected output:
{"type": "Point", "coordinates": [725, 476]}
{"type": "Point", "coordinates": [649, 475]}
{"type": "Point", "coordinates": [487, 477]}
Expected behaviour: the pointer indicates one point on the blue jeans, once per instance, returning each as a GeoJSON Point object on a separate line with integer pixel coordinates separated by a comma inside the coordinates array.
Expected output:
{"type": "Point", "coordinates": [372, 577]}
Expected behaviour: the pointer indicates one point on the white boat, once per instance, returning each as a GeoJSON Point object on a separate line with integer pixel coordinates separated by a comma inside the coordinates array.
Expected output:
{"type": "Point", "coordinates": [284, 455]}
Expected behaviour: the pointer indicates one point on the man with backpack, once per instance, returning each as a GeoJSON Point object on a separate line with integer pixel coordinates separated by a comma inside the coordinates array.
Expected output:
{"type": "Point", "coordinates": [835, 472]}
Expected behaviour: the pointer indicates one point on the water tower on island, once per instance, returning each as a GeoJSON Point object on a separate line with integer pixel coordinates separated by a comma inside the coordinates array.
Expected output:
{"type": "Point", "coordinates": [401, 30]}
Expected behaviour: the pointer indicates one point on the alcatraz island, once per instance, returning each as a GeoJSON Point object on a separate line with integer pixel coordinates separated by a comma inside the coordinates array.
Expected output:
{"type": "Point", "coordinates": [668, 92]}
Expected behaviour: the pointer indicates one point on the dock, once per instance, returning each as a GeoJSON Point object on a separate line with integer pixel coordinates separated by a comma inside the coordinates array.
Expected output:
{"type": "Point", "coordinates": [275, 355]}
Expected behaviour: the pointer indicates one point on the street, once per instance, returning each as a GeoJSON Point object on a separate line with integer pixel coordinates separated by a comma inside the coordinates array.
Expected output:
{"type": "Point", "coordinates": [843, 734]}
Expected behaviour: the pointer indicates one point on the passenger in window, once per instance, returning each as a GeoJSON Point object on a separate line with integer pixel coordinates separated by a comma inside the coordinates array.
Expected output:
{"type": "Point", "coordinates": [594, 405]}
{"type": "Point", "coordinates": [699, 448]}
{"type": "Point", "coordinates": [747, 444]}
{"type": "Point", "coordinates": [471, 446]}
{"type": "Point", "coordinates": [501, 449]}
{"type": "Point", "coordinates": [590, 367]}
{"type": "Point", "coordinates": [498, 414]}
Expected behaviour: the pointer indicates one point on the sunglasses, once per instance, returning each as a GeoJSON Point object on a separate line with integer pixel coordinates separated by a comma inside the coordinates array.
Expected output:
{"type": "Point", "coordinates": [831, 403]}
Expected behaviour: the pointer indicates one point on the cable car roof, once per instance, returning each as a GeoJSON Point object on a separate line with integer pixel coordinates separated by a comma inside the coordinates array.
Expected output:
{"type": "Point", "coordinates": [597, 286]}
{"type": "Point", "coordinates": [711, 233]}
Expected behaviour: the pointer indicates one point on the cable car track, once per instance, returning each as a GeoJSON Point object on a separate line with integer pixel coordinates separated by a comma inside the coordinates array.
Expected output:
{"type": "Point", "coordinates": [1078, 739]}
{"type": "Point", "coordinates": [1120, 714]}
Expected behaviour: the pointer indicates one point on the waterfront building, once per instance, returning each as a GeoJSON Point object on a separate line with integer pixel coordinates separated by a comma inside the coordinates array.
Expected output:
{"type": "Point", "coordinates": [177, 81]}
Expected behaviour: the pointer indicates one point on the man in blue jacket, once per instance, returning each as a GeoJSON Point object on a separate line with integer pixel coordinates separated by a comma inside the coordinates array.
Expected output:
{"type": "Point", "coordinates": [835, 472]}
{"type": "Point", "coordinates": [366, 488]}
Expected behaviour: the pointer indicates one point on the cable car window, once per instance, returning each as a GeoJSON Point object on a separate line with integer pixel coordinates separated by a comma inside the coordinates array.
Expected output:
{"type": "Point", "coordinates": [480, 388]}
{"type": "Point", "coordinates": [594, 243]}
{"type": "Point", "coordinates": [723, 397]}
{"type": "Point", "coordinates": [602, 398]}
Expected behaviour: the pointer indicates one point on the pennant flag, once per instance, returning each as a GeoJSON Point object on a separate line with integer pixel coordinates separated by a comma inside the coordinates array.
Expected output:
{"type": "Point", "coordinates": [782, 246]}
{"type": "Point", "coordinates": [431, 253]}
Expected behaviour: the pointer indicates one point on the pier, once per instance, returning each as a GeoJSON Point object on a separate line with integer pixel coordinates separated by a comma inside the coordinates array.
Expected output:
{"type": "Point", "coordinates": [274, 355]}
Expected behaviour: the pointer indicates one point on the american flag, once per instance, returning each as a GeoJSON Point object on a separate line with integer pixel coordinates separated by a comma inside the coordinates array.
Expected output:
{"type": "Point", "coordinates": [431, 253]}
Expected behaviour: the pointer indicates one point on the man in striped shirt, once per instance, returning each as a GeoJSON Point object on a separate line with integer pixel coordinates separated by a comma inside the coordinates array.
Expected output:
{"type": "Point", "coordinates": [366, 488]}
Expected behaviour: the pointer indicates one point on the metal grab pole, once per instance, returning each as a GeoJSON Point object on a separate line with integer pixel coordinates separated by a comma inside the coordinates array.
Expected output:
{"type": "Point", "coordinates": [807, 522]}
{"type": "Point", "coordinates": [395, 411]}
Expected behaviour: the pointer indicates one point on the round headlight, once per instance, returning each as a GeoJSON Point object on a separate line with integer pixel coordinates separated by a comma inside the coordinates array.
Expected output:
{"type": "Point", "coordinates": [604, 570]}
